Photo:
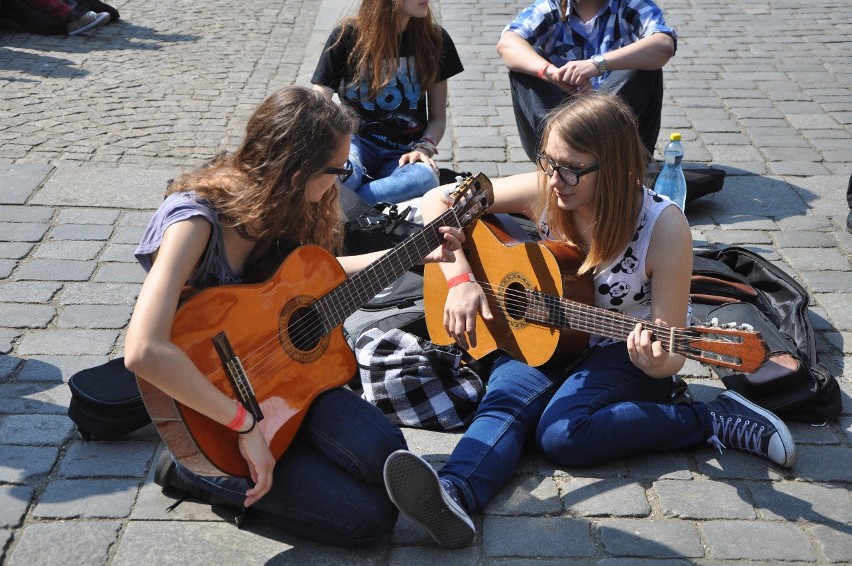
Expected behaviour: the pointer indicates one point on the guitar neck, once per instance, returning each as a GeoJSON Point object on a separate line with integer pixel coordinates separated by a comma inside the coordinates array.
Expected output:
{"type": "Point", "coordinates": [348, 297]}
{"type": "Point", "coordinates": [565, 313]}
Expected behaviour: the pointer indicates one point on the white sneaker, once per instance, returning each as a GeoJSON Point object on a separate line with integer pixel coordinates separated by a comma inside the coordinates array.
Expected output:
{"type": "Point", "coordinates": [90, 20]}
{"type": "Point", "coordinates": [415, 489]}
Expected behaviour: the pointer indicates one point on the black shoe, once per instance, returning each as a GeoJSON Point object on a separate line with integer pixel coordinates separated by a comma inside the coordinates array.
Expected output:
{"type": "Point", "coordinates": [167, 477]}
{"type": "Point", "coordinates": [415, 489]}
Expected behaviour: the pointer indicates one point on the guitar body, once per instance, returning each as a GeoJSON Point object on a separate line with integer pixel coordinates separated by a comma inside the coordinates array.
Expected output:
{"type": "Point", "coordinates": [286, 357]}
{"type": "Point", "coordinates": [505, 259]}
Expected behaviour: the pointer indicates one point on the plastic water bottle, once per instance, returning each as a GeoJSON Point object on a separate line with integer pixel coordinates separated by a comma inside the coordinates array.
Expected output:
{"type": "Point", "coordinates": [670, 181]}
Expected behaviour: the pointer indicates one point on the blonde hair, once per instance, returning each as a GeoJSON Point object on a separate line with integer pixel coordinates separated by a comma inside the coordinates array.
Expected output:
{"type": "Point", "coordinates": [375, 56]}
{"type": "Point", "coordinates": [294, 130]}
{"type": "Point", "coordinates": [605, 127]}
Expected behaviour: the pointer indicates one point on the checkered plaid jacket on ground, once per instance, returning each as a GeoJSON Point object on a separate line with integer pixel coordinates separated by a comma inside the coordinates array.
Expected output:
{"type": "Point", "coordinates": [415, 382]}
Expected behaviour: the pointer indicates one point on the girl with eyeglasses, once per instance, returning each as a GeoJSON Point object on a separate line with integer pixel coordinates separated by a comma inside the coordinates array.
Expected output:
{"type": "Point", "coordinates": [390, 63]}
{"type": "Point", "coordinates": [611, 401]}
{"type": "Point", "coordinates": [229, 223]}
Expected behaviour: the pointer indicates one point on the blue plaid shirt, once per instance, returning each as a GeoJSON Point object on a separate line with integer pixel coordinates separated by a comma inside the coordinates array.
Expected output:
{"type": "Point", "coordinates": [618, 23]}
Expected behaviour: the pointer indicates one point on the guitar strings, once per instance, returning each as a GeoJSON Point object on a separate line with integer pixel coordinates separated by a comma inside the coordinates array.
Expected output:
{"type": "Point", "coordinates": [263, 362]}
{"type": "Point", "coordinates": [601, 321]}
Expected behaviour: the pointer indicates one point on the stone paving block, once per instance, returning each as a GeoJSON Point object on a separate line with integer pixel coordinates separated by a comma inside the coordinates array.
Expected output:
{"type": "Point", "coordinates": [94, 316]}
{"type": "Point", "coordinates": [20, 180]}
{"type": "Point", "coordinates": [116, 187]}
{"type": "Point", "coordinates": [767, 541]}
{"type": "Point", "coordinates": [119, 273]}
{"type": "Point", "coordinates": [599, 498]}
{"type": "Point", "coordinates": [15, 250]}
{"type": "Point", "coordinates": [29, 292]}
{"type": "Point", "coordinates": [94, 232]}
{"type": "Point", "coordinates": [35, 430]}
{"type": "Point", "coordinates": [106, 459]}
{"type": "Point", "coordinates": [834, 542]}
{"type": "Point", "coordinates": [68, 342]}
{"type": "Point", "coordinates": [800, 501]}
{"type": "Point", "coordinates": [26, 464]}
{"type": "Point", "coordinates": [128, 234]}
{"type": "Point", "coordinates": [703, 499]}
{"type": "Point", "coordinates": [56, 369]}
{"type": "Point", "coordinates": [69, 250]}
{"type": "Point", "coordinates": [86, 498]}
{"type": "Point", "coordinates": [670, 465]}
{"type": "Point", "coordinates": [99, 294]}
{"type": "Point", "coordinates": [527, 496]}
{"type": "Point", "coordinates": [26, 214]}
{"type": "Point", "coordinates": [427, 556]}
{"type": "Point", "coordinates": [536, 537]}
{"type": "Point", "coordinates": [56, 270]}
{"type": "Point", "coordinates": [198, 543]}
{"type": "Point", "coordinates": [88, 216]}
{"type": "Point", "coordinates": [824, 463]}
{"type": "Point", "coordinates": [34, 398]}
{"type": "Point", "coordinates": [14, 501]}
{"type": "Point", "coordinates": [119, 253]}
{"type": "Point", "coordinates": [738, 237]}
{"type": "Point", "coordinates": [7, 339]}
{"type": "Point", "coordinates": [91, 543]}
{"type": "Point", "coordinates": [22, 232]}
{"type": "Point", "coordinates": [733, 464]}
{"type": "Point", "coordinates": [803, 239]}
{"type": "Point", "coordinates": [645, 538]}
{"type": "Point", "coordinates": [6, 268]}
{"type": "Point", "coordinates": [26, 315]}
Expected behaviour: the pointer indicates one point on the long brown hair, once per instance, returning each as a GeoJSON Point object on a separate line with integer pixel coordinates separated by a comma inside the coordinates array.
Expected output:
{"type": "Point", "coordinates": [294, 130]}
{"type": "Point", "coordinates": [375, 56]}
{"type": "Point", "coordinates": [605, 127]}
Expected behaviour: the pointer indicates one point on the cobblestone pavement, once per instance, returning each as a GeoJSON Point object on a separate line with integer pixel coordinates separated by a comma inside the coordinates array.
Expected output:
{"type": "Point", "coordinates": [91, 128]}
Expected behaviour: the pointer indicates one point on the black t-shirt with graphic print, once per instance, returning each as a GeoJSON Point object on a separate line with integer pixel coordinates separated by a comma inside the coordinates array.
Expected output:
{"type": "Point", "coordinates": [396, 117]}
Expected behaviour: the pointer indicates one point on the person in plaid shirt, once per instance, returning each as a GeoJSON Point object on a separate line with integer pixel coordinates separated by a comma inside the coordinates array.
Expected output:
{"type": "Point", "coordinates": [556, 49]}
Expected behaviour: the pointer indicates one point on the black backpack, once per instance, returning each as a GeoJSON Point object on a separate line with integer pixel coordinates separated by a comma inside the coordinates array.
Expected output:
{"type": "Point", "coordinates": [734, 284]}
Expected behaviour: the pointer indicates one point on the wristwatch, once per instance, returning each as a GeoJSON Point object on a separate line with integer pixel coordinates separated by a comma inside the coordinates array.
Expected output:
{"type": "Point", "coordinates": [600, 63]}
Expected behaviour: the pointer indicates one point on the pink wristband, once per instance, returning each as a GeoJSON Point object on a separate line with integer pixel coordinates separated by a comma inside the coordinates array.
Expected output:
{"type": "Point", "coordinates": [459, 279]}
{"type": "Point", "coordinates": [239, 419]}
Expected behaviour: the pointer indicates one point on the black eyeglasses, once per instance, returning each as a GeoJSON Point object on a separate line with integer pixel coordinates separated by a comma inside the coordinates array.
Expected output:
{"type": "Point", "coordinates": [342, 173]}
{"type": "Point", "coordinates": [569, 176]}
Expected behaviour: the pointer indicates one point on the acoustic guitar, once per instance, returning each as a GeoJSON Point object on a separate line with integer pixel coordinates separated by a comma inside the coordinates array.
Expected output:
{"type": "Point", "coordinates": [542, 312]}
{"type": "Point", "coordinates": [276, 345]}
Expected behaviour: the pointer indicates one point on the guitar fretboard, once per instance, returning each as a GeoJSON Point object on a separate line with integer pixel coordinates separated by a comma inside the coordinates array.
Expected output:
{"type": "Point", "coordinates": [346, 298]}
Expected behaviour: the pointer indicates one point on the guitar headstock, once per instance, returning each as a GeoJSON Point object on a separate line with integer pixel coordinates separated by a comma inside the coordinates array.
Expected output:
{"type": "Point", "coordinates": [728, 345]}
{"type": "Point", "coordinates": [471, 198]}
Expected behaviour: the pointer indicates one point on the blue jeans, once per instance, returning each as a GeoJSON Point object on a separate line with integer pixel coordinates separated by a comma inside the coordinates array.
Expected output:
{"type": "Point", "coordinates": [328, 486]}
{"type": "Point", "coordinates": [377, 176]}
{"type": "Point", "coordinates": [605, 410]}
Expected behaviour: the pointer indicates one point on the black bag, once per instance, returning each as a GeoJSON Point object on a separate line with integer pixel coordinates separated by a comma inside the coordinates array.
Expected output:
{"type": "Point", "coordinates": [734, 284]}
{"type": "Point", "coordinates": [105, 402]}
{"type": "Point", "coordinates": [700, 181]}
{"type": "Point", "coordinates": [380, 227]}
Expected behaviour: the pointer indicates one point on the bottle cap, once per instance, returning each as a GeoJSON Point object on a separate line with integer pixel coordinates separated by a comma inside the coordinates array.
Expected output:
{"type": "Point", "coordinates": [675, 136]}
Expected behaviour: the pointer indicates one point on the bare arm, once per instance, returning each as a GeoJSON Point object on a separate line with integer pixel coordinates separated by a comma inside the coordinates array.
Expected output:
{"type": "Point", "coordinates": [669, 264]}
{"type": "Point", "coordinates": [151, 355]}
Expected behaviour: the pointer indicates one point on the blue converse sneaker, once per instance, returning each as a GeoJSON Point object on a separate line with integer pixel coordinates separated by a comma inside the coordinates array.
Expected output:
{"type": "Point", "coordinates": [740, 424]}
{"type": "Point", "coordinates": [414, 487]}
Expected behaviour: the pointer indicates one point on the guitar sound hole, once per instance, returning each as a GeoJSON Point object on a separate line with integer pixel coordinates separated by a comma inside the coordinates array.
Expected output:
{"type": "Point", "coordinates": [304, 329]}
{"type": "Point", "coordinates": [516, 301]}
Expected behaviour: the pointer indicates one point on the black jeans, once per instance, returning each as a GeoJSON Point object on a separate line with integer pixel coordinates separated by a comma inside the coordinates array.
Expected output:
{"type": "Point", "coordinates": [533, 99]}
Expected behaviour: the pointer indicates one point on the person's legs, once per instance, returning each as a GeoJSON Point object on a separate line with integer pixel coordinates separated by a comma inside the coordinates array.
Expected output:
{"type": "Point", "coordinates": [359, 156]}
{"type": "Point", "coordinates": [490, 450]}
{"type": "Point", "coordinates": [849, 202]}
{"type": "Point", "coordinates": [609, 409]}
{"type": "Point", "coordinates": [643, 92]}
{"type": "Point", "coordinates": [532, 99]}
{"type": "Point", "coordinates": [396, 184]}
{"type": "Point", "coordinates": [328, 485]}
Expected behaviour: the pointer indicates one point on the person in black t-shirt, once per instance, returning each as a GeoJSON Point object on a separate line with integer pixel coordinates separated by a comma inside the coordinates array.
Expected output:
{"type": "Point", "coordinates": [395, 78]}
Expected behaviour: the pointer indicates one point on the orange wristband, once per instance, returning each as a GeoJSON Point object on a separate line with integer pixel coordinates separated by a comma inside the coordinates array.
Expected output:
{"type": "Point", "coordinates": [239, 419]}
{"type": "Point", "coordinates": [459, 279]}
{"type": "Point", "coordinates": [542, 70]}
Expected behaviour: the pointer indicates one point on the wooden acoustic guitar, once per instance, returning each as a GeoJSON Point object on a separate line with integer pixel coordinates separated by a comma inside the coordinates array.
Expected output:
{"type": "Point", "coordinates": [276, 345]}
{"type": "Point", "coordinates": [542, 312]}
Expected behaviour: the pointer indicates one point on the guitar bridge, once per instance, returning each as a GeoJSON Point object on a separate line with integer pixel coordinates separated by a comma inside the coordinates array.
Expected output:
{"type": "Point", "coordinates": [236, 373]}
